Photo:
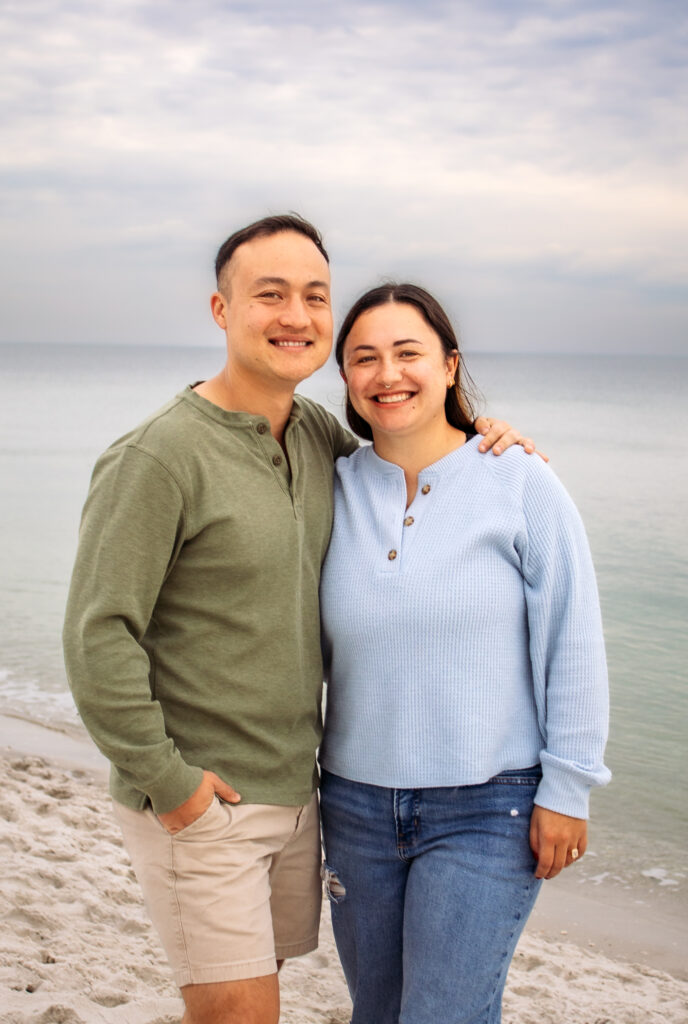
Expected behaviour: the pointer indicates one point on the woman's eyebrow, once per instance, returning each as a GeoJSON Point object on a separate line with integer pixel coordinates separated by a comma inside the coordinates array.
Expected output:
{"type": "Point", "coordinates": [402, 341]}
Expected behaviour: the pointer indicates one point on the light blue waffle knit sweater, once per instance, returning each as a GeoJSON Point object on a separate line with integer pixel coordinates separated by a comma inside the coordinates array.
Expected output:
{"type": "Point", "coordinates": [463, 634]}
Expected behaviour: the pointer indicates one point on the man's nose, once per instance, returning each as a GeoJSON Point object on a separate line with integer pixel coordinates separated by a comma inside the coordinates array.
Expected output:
{"type": "Point", "coordinates": [296, 313]}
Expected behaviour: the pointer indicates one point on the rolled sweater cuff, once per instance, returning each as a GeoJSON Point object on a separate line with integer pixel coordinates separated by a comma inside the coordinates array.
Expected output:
{"type": "Point", "coordinates": [561, 792]}
{"type": "Point", "coordinates": [566, 786]}
{"type": "Point", "coordinates": [172, 788]}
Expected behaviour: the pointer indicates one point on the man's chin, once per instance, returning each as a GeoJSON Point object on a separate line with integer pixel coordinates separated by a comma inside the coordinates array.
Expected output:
{"type": "Point", "coordinates": [306, 370]}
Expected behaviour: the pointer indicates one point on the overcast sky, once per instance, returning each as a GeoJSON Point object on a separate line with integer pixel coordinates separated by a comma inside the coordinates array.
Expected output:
{"type": "Point", "coordinates": [527, 161]}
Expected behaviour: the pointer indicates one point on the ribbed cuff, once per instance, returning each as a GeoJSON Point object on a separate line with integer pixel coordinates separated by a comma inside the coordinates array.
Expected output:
{"type": "Point", "coordinates": [563, 792]}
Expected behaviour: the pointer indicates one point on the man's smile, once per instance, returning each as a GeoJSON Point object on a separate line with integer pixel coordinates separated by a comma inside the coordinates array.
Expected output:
{"type": "Point", "coordinates": [290, 342]}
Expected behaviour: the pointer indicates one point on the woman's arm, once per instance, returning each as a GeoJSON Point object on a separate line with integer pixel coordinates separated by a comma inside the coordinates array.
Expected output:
{"type": "Point", "coordinates": [568, 665]}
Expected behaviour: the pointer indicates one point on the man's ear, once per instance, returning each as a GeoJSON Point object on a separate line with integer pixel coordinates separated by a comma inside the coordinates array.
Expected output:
{"type": "Point", "coordinates": [218, 306]}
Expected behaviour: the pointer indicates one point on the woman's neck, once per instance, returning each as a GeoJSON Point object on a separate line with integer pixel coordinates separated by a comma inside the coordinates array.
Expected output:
{"type": "Point", "coordinates": [414, 452]}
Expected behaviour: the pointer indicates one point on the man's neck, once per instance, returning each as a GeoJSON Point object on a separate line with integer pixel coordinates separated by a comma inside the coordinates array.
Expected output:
{"type": "Point", "coordinates": [257, 398]}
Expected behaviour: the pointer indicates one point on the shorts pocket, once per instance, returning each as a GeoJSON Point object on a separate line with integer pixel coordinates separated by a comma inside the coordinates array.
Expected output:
{"type": "Point", "coordinates": [213, 817]}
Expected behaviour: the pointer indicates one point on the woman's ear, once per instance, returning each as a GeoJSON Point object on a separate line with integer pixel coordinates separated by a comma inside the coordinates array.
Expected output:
{"type": "Point", "coordinates": [342, 374]}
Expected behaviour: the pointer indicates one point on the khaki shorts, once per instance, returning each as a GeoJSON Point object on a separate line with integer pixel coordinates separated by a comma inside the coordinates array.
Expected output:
{"type": "Point", "coordinates": [234, 891]}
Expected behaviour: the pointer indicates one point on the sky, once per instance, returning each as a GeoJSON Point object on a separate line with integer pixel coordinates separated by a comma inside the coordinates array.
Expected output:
{"type": "Point", "coordinates": [525, 161]}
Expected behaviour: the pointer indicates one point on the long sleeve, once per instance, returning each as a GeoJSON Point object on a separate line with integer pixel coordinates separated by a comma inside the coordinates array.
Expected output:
{"type": "Point", "coordinates": [566, 646]}
{"type": "Point", "coordinates": [131, 531]}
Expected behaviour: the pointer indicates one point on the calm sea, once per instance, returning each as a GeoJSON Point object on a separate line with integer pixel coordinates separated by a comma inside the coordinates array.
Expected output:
{"type": "Point", "coordinates": [616, 430]}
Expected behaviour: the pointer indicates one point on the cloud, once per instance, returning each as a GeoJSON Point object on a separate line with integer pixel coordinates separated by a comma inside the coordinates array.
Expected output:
{"type": "Point", "coordinates": [545, 138]}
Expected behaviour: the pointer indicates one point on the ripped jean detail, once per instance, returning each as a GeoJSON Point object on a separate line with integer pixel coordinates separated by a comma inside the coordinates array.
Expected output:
{"type": "Point", "coordinates": [334, 890]}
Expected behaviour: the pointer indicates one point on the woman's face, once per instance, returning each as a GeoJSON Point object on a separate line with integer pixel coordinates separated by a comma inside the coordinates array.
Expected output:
{"type": "Point", "coordinates": [396, 370]}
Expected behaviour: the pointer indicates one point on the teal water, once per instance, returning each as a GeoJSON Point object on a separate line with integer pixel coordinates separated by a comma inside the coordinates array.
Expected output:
{"type": "Point", "coordinates": [616, 430]}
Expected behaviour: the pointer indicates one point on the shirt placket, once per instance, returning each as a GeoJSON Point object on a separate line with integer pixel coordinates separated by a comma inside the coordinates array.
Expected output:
{"type": "Point", "coordinates": [275, 456]}
{"type": "Point", "coordinates": [404, 531]}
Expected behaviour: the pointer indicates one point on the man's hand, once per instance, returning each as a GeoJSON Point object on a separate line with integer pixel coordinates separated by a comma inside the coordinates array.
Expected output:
{"type": "Point", "coordinates": [499, 435]}
{"type": "Point", "coordinates": [198, 802]}
{"type": "Point", "coordinates": [556, 841]}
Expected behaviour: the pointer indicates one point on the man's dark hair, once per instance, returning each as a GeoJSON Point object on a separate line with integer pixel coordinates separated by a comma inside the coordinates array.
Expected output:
{"type": "Point", "coordinates": [264, 228]}
{"type": "Point", "coordinates": [461, 397]}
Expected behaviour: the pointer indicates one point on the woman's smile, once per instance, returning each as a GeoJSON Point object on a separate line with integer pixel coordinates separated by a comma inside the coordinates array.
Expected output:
{"type": "Point", "coordinates": [386, 398]}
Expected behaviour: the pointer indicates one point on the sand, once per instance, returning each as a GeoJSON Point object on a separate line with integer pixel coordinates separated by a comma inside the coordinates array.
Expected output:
{"type": "Point", "coordinates": [76, 946]}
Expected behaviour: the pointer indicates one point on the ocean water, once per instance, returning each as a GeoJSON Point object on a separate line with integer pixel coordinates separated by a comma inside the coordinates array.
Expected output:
{"type": "Point", "coordinates": [616, 430]}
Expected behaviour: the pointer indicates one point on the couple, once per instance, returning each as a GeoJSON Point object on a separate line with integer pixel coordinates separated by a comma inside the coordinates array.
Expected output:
{"type": "Point", "coordinates": [466, 698]}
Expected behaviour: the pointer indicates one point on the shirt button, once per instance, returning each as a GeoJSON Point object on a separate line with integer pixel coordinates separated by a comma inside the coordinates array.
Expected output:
{"type": "Point", "coordinates": [425, 489]}
{"type": "Point", "coordinates": [409, 521]}
{"type": "Point", "coordinates": [277, 460]}
{"type": "Point", "coordinates": [392, 555]}
{"type": "Point", "coordinates": [262, 428]}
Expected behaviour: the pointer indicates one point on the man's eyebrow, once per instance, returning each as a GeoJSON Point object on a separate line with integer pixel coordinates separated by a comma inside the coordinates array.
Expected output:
{"type": "Point", "coordinates": [262, 281]}
{"type": "Point", "coordinates": [402, 341]}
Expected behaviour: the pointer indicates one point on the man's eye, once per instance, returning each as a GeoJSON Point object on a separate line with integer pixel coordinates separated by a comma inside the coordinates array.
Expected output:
{"type": "Point", "coordinates": [317, 299]}
{"type": "Point", "coordinates": [269, 295]}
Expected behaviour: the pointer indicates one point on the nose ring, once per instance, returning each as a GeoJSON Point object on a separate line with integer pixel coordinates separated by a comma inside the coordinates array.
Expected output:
{"type": "Point", "coordinates": [387, 386]}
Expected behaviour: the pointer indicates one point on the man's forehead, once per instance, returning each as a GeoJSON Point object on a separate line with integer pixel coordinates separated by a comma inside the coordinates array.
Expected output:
{"type": "Point", "coordinates": [285, 258]}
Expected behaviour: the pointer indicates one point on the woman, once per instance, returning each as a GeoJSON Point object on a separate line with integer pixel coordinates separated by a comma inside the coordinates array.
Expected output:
{"type": "Point", "coordinates": [467, 699]}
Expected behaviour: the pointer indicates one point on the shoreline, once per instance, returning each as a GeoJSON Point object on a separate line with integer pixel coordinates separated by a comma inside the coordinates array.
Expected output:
{"type": "Point", "coordinates": [76, 946]}
{"type": "Point", "coordinates": [20, 735]}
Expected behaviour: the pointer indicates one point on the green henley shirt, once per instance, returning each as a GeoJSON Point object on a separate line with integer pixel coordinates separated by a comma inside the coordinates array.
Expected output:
{"type": "Point", "coordinates": [192, 633]}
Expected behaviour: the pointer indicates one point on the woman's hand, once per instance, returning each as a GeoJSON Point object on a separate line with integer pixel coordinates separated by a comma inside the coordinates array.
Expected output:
{"type": "Point", "coordinates": [556, 841]}
{"type": "Point", "coordinates": [500, 435]}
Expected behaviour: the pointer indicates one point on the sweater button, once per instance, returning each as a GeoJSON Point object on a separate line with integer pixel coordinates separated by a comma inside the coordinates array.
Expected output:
{"type": "Point", "coordinates": [392, 555]}
{"type": "Point", "coordinates": [277, 460]}
{"type": "Point", "coordinates": [262, 428]}
{"type": "Point", "coordinates": [425, 489]}
{"type": "Point", "coordinates": [409, 521]}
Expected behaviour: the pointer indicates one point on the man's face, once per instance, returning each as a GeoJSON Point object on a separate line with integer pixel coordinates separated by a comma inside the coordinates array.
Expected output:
{"type": "Point", "coordinates": [274, 305]}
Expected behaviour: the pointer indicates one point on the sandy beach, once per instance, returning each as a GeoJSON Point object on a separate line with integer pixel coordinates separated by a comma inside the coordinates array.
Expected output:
{"type": "Point", "coordinates": [76, 946]}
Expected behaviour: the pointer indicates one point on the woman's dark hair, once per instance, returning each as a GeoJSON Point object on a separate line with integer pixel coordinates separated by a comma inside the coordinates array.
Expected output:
{"type": "Point", "coordinates": [459, 405]}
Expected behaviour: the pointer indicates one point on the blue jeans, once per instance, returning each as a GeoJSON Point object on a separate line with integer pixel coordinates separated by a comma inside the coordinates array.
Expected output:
{"type": "Point", "coordinates": [429, 892]}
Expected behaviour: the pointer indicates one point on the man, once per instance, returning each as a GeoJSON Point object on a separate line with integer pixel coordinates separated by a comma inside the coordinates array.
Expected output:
{"type": "Point", "coordinates": [192, 632]}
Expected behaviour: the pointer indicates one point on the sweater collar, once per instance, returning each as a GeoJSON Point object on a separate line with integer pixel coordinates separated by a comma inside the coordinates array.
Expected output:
{"type": "Point", "coordinates": [447, 465]}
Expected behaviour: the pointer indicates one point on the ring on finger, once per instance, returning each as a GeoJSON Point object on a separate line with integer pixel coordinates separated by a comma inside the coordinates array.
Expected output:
{"type": "Point", "coordinates": [575, 853]}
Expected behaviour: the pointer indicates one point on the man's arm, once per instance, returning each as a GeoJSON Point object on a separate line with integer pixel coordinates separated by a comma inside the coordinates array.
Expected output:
{"type": "Point", "coordinates": [499, 435]}
{"type": "Point", "coordinates": [131, 532]}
